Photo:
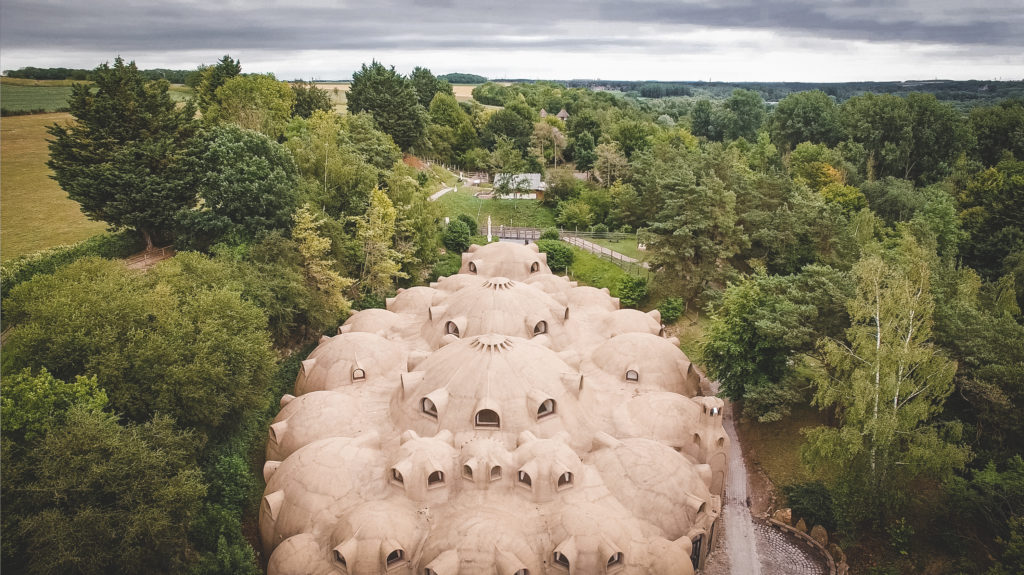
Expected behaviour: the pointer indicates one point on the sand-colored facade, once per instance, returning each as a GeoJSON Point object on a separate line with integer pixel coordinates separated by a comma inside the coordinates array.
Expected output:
{"type": "Point", "coordinates": [500, 421]}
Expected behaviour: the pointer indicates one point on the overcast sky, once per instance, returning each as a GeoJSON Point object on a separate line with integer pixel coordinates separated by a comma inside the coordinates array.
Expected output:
{"type": "Point", "coordinates": [727, 40]}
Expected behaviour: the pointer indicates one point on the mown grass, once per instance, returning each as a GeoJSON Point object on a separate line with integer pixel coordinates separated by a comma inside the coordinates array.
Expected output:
{"type": "Point", "coordinates": [627, 247]}
{"type": "Point", "coordinates": [776, 446]}
{"type": "Point", "coordinates": [517, 213]}
{"type": "Point", "coordinates": [34, 212]}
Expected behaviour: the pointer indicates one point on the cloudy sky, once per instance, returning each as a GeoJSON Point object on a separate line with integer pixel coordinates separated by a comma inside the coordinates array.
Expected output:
{"type": "Point", "coordinates": [728, 40]}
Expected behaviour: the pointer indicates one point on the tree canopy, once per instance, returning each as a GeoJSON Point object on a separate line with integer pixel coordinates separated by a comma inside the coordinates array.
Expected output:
{"type": "Point", "coordinates": [391, 99]}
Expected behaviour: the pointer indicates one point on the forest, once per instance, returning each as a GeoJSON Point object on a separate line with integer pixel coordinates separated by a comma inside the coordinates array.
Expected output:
{"type": "Point", "coordinates": [859, 256]}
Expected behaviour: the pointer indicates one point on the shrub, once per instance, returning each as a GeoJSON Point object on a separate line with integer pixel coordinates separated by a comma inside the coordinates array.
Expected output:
{"type": "Point", "coordinates": [550, 234]}
{"type": "Point", "coordinates": [626, 229]}
{"type": "Point", "coordinates": [632, 291]}
{"type": "Point", "coordinates": [812, 502]}
{"type": "Point", "coordinates": [600, 231]}
{"type": "Point", "coordinates": [48, 261]}
{"type": "Point", "coordinates": [559, 254]}
{"type": "Point", "coordinates": [456, 237]}
{"type": "Point", "coordinates": [671, 308]}
{"type": "Point", "coordinates": [447, 265]}
{"type": "Point", "coordinates": [469, 221]}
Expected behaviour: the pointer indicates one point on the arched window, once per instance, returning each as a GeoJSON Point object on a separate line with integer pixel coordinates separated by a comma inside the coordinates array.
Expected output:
{"type": "Point", "coordinates": [561, 559]}
{"type": "Point", "coordinates": [472, 268]}
{"type": "Point", "coordinates": [715, 410]}
{"type": "Point", "coordinates": [565, 480]}
{"type": "Point", "coordinates": [496, 473]}
{"type": "Point", "coordinates": [524, 479]}
{"type": "Point", "coordinates": [721, 442]}
{"type": "Point", "coordinates": [615, 559]}
{"type": "Point", "coordinates": [632, 375]}
{"type": "Point", "coordinates": [702, 507]}
{"type": "Point", "coordinates": [541, 327]}
{"type": "Point", "coordinates": [696, 438]}
{"type": "Point", "coordinates": [395, 556]}
{"type": "Point", "coordinates": [522, 572]}
{"type": "Point", "coordinates": [467, 472]}
{"type": "Point", "coordinates": [358, 373]}
{"type": "Point", "coordinates": [535, 267]}
{"type": "Point", "coordinates": [339, 558]}
{"type": "Point", "coordinates": [435, 479]}
{"type": "Point", "coordinates": [451, 328]}
{"type": "Point", "coordinates": [547, 407]}
{"type": "Point", "coordinates": [429, 571]}
{"type": "Point", "coordinates": [487, 418]}
{"type": "Point", "coordinates": [396, 476]}
{"type": "Point", "coordinates": [429, 408]}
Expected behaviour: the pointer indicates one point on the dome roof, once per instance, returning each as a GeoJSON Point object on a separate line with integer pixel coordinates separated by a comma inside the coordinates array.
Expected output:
{"type": "Point", "coordinates": [628, 320]}
{"type": "Point", "coordinates": [505, 259]}
{"type": "Point", "coordinates": [311, 417]}
{"type": "Point", "coordinates": [646, 360]}
{"type": "Point", "coordinates": [414, 300]}
{"type": "Point", "coordinates": [497, 306]}
{"type": "Point", "coordinates": [654, 483]}
{"type": "Point", "coordinates": [666, 417]}
{"type": "Point", "coordinates": [494, 386]}
{"type": "Point", "coordinates": [342, 359]}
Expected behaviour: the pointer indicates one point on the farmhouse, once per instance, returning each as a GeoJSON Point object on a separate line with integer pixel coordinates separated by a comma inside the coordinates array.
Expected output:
{"type": "Point", "coordinates": [526, 186]}
{"type": "Point", "coordinates": [502, 420]}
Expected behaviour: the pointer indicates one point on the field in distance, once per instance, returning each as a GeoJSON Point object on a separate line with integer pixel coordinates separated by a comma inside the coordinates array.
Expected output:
{"type": "Point", "coordinates": [35, 213]}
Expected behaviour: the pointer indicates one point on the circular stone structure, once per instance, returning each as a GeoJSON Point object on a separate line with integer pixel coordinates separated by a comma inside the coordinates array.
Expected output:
{"type": "Point", "coordinates": [502, 420]}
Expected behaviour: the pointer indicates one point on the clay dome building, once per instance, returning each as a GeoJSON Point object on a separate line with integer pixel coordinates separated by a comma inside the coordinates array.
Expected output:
{"type": "Point", "coordinates": [501, 421]}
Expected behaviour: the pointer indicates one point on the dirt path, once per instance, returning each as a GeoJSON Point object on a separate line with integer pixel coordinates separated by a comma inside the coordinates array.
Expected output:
{"type": "Point", "coordinates": [599, 249]}
{"type": "Point", "coordinates": [440, 193]}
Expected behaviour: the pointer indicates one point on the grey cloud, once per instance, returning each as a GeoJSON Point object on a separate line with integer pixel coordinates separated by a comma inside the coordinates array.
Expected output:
{"type": "Point", "coordinates": [459, 24]}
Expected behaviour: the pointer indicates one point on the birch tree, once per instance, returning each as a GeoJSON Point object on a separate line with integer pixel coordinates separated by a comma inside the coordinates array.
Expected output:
{"type": "Point", "coordinates": [886, 383]}
{"type": "Point", "coordinates": [381, 263]}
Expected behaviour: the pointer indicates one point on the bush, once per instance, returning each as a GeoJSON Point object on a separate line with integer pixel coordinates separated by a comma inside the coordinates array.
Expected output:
{"type": "Point", "coordinates": [632, 291]}
{"type": "Point", "coordinates": [600, 231]}
{"type": "Point", "coordinates": [671, 308]}
{"type": "Point", "coordinates": [110, 246]}
{"type": "Point", "coordinates": [550, 234]}
{"type": "Point", "coordinates": [626, 229]}
{"type": "Point", "coordinates": [456, 237]}
{"type": "Point", "coordinates": [447, 265]}
{"type": "Point", "coordinates": [469, 221]}
{"type": "Point", "coordinates": [812, 502]}
{"type": "Point", "coordinates": [559, 254]}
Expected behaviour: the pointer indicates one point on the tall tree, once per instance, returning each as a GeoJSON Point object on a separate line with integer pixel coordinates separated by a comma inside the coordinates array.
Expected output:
{"type": "Point", "coordinates": [309, 98]}
{"type": "Point", "coordinates": [255, 102]}
{"type": "Point", "coordinates": [246, 183]}
{"type": "Point", "coordinates": [392, 101]}
{"type": "Point", "coordinates": [318, 266]}
{"type": "Point", "coordinates": [427, 85]}
{"type": "Point", "coordinates": [122, 158]}
{"type": "Point", "coordinates": [887, 384]}
{"type": "Point", "coordinates": [213, 77]}
{"type": "Point", "coordinates": [744, 113]}
{"type": "Point", "coordinates": [376, 232]}
{"type": "Point", "coordinates": [806, 117]}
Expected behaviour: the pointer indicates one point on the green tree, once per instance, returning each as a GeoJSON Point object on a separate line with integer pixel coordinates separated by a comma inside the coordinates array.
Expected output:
{"type": "Point", "coordinates": [32, 404]}
{"type": "Point", "coordinates": [246, 183]}
{"type": "Point", "coordinates": [256, 102]}
{"type": "Point", "coordinates": [702, 120]}
{"type": "Point", "coordinates": [806, 117]}
{"type": "Point", "coordinates": [392, 101]}
{"type": "Point", "coordinates": [506, 157]}
{"type": "Point", "coordinates": [559, 253]}
{"type": "Point", "coordinates": [427, 86]}
{"type": "Point", "coordinates": [99, 497]}
{"type": "Point", "coordinates": [319, 268]}
{"type": "Point", "coordinates": [744, 114]}
{"type": "Point", "coordinates": [611, 163]}
{"type": "Point", "coordinates": [993, 217]}
{"type": "Point", "coordinates": [213, 77]}
{"type": "Point", "coordinates": [506, 123]}
{"type": "Point", "coordinates": [381, 263]}
{"type": "Point", "coordinates": [309, 98]}
{"type": "Point", "coordinates": [575, 214]}
{"type": "Point", "coordinates": [632, 291]}
{"type": "Point", "coordinates": [156, 343]}
{"type": "Point", "coordinates": [887, 385]}
{"type": "Point", "coordinates": [456, 237]}
{"type": "Point", "coordinates": [998, 129]}
{"type": "Point", "coordinates": [583, 152]}
{"type": "Point", "coordinates": [122, 158]}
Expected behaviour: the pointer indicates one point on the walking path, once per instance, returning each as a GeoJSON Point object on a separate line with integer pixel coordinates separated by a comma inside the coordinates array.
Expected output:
{"type": "Point", "coordinates": [750, 548]}
{"type": "Point", "coordinates": [440, 193]}
{"type": "Point", "coordinates": [599, 249]}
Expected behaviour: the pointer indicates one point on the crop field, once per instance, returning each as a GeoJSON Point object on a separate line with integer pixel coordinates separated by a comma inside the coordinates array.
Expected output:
{"type": "Point", "coordinates": [24, 98]}
{"type": "Point", "coordinates": [34, 212]}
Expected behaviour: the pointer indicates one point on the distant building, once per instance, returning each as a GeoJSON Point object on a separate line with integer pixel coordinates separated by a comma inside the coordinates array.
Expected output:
{"type": "Point", "coordinates": [563, 115]}
{"type": "Point", "coordinates": [543, 113]}
{"type": "Point", "coordinates": [528, 186]}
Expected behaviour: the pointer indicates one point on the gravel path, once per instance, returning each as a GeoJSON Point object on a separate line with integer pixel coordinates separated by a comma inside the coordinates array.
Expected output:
{"type": "Point", "coordinates": [749, 547]}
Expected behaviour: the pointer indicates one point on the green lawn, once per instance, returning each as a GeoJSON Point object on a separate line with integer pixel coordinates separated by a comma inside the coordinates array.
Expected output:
{"type": "Point", "coordinates": [34, 212]}
{"type": "Point", "coordinates": [591, 270]}
{"type": "Point", "coordinates": [624, 247]}
{"type": "Point", "coordinates": [517, 213]}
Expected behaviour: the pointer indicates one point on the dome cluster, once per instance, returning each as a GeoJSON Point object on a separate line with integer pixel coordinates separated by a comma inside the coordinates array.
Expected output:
{"type": "Point", "coordinates": [500, 421]}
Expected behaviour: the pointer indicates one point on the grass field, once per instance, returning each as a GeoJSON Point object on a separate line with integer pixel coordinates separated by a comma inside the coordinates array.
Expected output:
{"type": "Point", "coordinates": [517, 213]}
{"type": "Point", "coordinates": [591, 270]}
{"type": "Point", "coordinates": [624, 247]}
{"type": "Point", "coordinates": [34, 212]}
{"type": "Point", "coordinates": [23, 98]}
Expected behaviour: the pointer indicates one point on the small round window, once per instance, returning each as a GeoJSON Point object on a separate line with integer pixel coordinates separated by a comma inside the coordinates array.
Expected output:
{"type": "Point", "coordinates": [632, 375]}
{"type": "Point", "coordinates": [451, 328]}
{"type": "Point", "coordinates": [472, 268]}
{"type": "Point", "coordinates": [547, 407]}
{"type": "Point", "coordinates": [487, 418]}
{"type": "Point", "coordinates": [541, 327]}
{"type": "Point", "coordinates": [358, 373]}
{"type": "Point", "coordinates": [429, 408]}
